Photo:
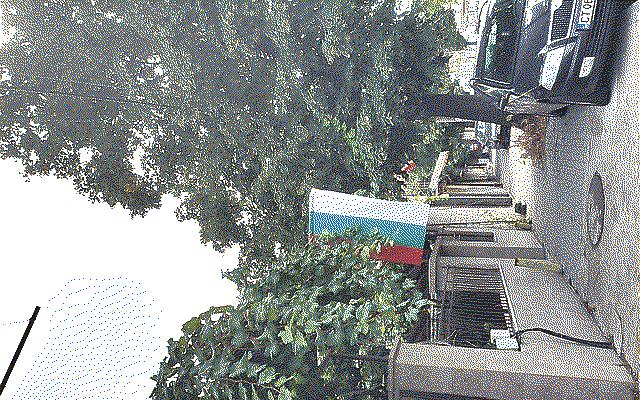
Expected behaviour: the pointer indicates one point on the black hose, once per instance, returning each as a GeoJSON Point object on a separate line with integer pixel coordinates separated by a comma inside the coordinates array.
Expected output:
{"type": "Point", "coordinates": [592, 343]}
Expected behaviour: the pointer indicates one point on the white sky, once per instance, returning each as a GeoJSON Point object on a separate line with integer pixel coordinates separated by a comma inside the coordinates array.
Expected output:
{"type": "Point", "coordinates": [6, 33]}
{"type": "Point", "coordinates": [50, 235]}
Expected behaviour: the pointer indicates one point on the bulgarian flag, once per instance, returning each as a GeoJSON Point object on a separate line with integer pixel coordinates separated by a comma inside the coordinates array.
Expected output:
{"type": "Point", "coordinates": [402, 222]}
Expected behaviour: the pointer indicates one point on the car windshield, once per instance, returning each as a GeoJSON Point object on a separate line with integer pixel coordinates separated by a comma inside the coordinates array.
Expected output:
{"type": "Point", "coordinates": [500, 51]}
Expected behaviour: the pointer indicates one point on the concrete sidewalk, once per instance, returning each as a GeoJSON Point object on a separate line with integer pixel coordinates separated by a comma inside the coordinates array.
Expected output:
{"type": "Point", "coordinates": [586, 140]}
{"type": "Point", "coordinates": [556, 194]}
{"type": "Point", "coordinates": [515, 171]}
{"type": "Point", "coordinates": [604, 140]}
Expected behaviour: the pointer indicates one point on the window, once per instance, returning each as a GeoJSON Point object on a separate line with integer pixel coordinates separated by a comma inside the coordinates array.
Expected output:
{"type": "Point", "coordinates": [500, 51]}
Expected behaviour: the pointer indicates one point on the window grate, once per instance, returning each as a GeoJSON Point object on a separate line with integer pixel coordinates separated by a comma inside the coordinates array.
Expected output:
{"type": "Point", "coordinates": [473, 303]}
{"type": "Point", "coordinates": [561, 20]}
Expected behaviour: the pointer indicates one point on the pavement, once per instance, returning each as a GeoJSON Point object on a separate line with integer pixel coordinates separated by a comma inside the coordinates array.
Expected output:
{"type": "Point", "coordinates": [584, 141]}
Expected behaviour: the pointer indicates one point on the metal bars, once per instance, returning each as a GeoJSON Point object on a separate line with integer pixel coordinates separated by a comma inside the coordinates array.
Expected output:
{"type": "Point", "coordinates": [473, 303]}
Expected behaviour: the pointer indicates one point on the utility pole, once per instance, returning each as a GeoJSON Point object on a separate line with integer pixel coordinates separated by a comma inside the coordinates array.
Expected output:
{"type": "Point", "coordinates": [19, 349]}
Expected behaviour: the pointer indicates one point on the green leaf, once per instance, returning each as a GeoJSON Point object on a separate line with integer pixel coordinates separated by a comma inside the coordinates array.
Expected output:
{"type": "Point", "coordinates": [348, 312]}
{"type": "Point", "coordinates": [219, 310]}
{"type": "Point", "coordinates": [228, 392]}
{"type": "Point", "coordinates": [191, 326]}
{"type": "Point", "coordinates": [362, 312]}
{"type": "Point", "coordinates": [222, 367]}
{"type": "Point", "coordinates": [267, 375]}
{"type": "Point", "coordinates": [363, 327]}
{"type": "Point", "coordinates": [237, 369]}
{"type": "Point", "coordinates": [254, 394]}
{"type": "Point", "coordinates": [235, 321]}
{"type": "Point", "coordinates": [242, 391]}
{"type": "Point", "coordinates": [260, 311]}
{"type": "Point", "coordinates": [253, 369]}
{"type": "Point", "coordinates": [271, 350]}
{"type": "Point", "coordinates": [311, 326]}
{"type": "Point", "coordinates": [335, 337]}
{"type": "Point", "coordinates": [281, 381]}
{"type": "Point", "coordinates": [286, 335]}
{"type": "Point", "coordinates": [299, 343]}
{"type": "Point", "coordinates": [272, 313]}
{"type": "Point", "coordinates": [238, 338]}
{"type": "Point", "coordinates": [284, 394]}
{"type": "Point", "coordinates": [422, 303]}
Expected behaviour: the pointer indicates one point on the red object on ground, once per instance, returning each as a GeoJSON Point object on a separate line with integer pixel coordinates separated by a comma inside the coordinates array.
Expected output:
{"type": "Point", "coordinates": [408, 167]}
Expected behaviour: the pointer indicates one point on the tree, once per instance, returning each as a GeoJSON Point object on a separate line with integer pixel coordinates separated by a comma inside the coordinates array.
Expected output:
{"type": "Point", "coordinates": [318, 324]}
{"type": "Point", "coordinates": [65, 58]}
{"type": "Point", "coordinates": [464, 106]}
{"type": "Point", "coordinates": [237, 108]}
{"type": "Point", "coordinates": [426, 35]}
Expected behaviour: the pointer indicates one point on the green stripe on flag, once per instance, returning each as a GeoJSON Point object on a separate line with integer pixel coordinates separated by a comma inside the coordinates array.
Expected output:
{"type": "Point", "coordinates": [401, 233]}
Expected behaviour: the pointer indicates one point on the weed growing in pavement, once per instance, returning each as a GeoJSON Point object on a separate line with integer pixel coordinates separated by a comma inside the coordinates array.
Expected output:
{"type": "Point", "coordinates": [531, 141]}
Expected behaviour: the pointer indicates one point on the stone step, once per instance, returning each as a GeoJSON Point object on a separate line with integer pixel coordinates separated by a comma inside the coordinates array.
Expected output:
{"type": "Point", "coordinates": [475, 201]}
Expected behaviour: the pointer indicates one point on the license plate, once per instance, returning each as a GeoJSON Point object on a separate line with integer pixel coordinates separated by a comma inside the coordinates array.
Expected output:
{"type": "Point", "coordinates": [585, 16]}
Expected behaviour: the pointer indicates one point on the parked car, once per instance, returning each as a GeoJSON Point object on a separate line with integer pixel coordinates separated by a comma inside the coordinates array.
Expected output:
{"type": "Point", "coordinates": [536, 56]}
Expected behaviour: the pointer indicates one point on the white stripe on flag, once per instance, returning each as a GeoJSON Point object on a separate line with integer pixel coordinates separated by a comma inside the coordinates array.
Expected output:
{"type": "Point", "coordinates": [324, 201]}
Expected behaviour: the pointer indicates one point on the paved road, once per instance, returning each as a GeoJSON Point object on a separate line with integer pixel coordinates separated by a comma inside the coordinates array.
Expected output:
{"type": "Point", "coordinates": [606, 140]}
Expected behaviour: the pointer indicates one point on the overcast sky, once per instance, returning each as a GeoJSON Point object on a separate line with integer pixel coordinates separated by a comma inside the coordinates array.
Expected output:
{"type": "Point", "coordinates": [54, 241]}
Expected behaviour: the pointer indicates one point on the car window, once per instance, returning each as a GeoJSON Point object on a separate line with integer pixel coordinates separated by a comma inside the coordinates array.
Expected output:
{"type": "Point", "coordinates": [501, 44]}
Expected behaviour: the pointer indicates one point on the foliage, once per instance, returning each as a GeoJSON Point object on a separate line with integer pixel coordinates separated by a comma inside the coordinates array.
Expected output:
{"type": "Point", "coordinates": [295, 324]}
{"type": "Point", "coordinates": [366, 158]}
{"type": "Point", "coordinates": [237, 108]}
{"type": "Point", "coordinates": [436, 138]}
{"type": "Point", "coordinates": [65, 47]}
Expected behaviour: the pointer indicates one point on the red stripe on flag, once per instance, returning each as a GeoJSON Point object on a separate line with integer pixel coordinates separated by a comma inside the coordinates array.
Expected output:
{"type": "Point", "coordinates": [395, 254]}
{"type": "Point", "coordinates": [399, 255]}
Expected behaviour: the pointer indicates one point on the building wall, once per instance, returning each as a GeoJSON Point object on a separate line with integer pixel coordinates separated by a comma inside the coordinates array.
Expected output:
{"type": "Point", "coordinates": [543, 368]}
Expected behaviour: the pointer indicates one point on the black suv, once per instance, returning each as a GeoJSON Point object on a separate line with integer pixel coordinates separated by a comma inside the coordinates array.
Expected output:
{"type": "Point", "coordinates": [536, 56]}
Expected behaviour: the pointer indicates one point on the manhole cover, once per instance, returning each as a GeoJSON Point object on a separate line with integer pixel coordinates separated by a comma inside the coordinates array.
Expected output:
{"type": "Point", "coordinates": [595, 210]}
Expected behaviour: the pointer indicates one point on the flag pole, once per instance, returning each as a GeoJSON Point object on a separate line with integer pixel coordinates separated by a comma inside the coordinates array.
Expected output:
{"type": "Point", "coordinates": [19, 349]}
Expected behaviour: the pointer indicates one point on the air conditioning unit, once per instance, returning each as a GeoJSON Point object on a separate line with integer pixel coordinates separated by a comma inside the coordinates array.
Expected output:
{"type": "Point", "coordinates": [480, 296]}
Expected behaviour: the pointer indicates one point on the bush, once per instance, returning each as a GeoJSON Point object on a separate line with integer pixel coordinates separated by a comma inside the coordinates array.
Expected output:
{"type": "Point", "coordinates": [315, 325]}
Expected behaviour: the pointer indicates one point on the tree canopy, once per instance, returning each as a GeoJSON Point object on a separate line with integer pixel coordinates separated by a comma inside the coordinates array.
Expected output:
{"type": "Point", "coordinates": [237, 108]}
{"type": "Point", "coordinates": [317, 324]}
